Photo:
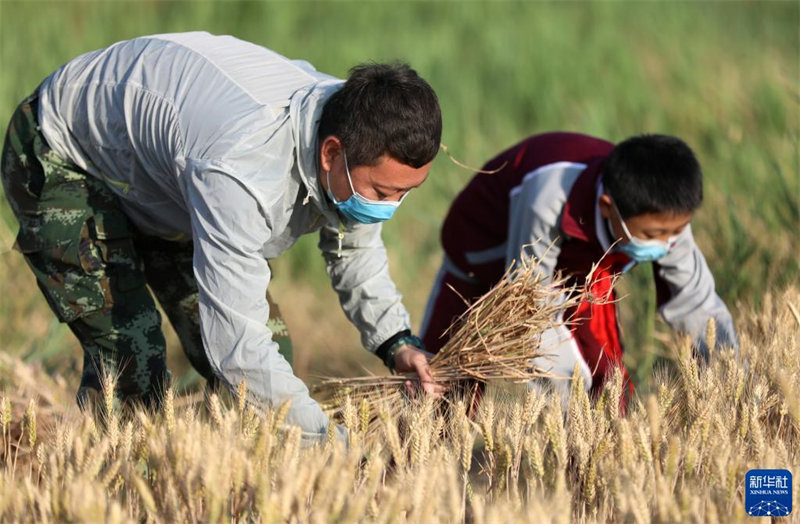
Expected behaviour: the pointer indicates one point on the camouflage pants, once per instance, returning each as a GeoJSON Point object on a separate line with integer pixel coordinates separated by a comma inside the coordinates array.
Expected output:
{"type": "Point", "coordinates": [94, 268]}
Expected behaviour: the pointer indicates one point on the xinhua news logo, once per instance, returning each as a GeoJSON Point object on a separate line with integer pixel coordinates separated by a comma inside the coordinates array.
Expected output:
{"type": "Point", "coordinates": [768, 492]}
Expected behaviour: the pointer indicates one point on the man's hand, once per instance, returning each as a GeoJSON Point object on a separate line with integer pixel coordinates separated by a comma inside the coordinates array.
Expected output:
{"type": "Point", "coordinates": [409, 359]}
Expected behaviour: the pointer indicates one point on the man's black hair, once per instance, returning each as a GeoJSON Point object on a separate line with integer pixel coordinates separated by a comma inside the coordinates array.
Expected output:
{"type": "Point", "coordinates": [653, 174]}
{"type": "Point", "coordinates": [384, 109]}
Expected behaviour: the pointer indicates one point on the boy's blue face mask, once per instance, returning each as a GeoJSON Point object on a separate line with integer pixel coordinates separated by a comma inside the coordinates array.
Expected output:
{"type": "Point", "coordinates": [640, 250]}
{"type": "Point", "coordinates": [360, 208]}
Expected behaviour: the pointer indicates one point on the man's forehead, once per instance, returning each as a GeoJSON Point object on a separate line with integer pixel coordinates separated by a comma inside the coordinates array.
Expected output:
{"type": "Point", "coordinates": [392, 174]}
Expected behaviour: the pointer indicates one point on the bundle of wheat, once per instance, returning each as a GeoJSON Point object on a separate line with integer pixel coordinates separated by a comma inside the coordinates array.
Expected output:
{"type": "Point", "coordinates": [496, 338]}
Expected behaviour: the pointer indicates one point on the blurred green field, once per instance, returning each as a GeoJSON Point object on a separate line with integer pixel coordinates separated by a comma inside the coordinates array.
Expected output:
{"type": "Point", "coordinates": [723, 76]}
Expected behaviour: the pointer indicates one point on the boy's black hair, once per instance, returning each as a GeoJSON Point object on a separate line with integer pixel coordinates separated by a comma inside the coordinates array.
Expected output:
{"type": "Point", "coordinates": [384, 109]}
{"type": "Point", "coordinates": [653, 174]}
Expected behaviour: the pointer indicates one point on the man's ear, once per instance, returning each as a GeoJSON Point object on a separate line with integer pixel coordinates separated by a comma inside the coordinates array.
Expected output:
{"type": "Point", "coordinates": [329, 151]}
{"type": "Point", "coordinates": [606, 205]}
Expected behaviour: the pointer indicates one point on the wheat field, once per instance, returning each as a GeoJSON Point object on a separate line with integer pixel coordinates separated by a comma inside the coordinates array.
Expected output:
{"type": "Point", "coordinates": [724, 76]}
{"type": "Point", "coordinates": [680, 454]}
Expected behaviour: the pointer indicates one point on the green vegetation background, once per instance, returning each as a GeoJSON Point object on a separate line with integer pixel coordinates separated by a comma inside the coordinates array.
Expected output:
{"type": "Point", "coordinates": [723, 76]}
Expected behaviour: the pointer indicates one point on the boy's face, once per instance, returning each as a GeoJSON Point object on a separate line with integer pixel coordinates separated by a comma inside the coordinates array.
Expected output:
{"type": "Point", "coordinates": [648, 226]}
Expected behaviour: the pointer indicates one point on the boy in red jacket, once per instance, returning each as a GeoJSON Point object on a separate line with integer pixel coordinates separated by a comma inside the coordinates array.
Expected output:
{"type": "Point", "coordinates": [566, 199]}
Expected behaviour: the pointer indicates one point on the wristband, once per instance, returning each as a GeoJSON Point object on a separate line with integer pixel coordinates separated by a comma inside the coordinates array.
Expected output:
{"type": "Point", "coordinates": [388, 349]}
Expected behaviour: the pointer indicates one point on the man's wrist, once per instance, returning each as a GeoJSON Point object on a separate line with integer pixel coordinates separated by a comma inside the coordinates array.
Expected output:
{"type": "Point", "coordinates": [387, 351]}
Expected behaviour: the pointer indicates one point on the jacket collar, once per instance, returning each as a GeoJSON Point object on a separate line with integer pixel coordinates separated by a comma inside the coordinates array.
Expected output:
{"type": "Point", "coordinates": [305, 112]}
{"type": "Point", "coordinates": [578, 219]}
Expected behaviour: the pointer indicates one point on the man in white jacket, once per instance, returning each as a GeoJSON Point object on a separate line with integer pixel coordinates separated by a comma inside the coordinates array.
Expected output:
{"type": "Point", "coordinates": [186, 162]}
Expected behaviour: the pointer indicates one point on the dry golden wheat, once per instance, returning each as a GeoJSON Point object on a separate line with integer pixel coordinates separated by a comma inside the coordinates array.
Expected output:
{"type": "Point", "coordinates": [680, 454]}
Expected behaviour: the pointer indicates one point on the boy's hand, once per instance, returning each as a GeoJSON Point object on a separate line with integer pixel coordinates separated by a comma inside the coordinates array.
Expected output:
{"type": "Point", "coordinates": [409, 359]}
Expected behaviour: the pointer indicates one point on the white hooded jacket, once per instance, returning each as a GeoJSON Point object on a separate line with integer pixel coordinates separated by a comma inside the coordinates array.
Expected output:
{"type": "Point", "coordinates": [214, 139]}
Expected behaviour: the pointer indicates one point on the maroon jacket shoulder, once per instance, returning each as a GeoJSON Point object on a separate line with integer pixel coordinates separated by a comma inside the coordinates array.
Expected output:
{"type": "Point", "coordinates": [478, 218]}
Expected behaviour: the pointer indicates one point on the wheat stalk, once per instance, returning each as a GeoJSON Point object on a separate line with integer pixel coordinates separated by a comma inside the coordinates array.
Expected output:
{"type": "Point", "coordinates": [495, 339]}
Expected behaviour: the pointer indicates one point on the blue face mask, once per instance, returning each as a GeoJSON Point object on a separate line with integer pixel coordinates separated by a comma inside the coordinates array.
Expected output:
{"type": "Point", "coordinates": [640, 250]}
{"type": "Point", "coordinates": [360, 208]}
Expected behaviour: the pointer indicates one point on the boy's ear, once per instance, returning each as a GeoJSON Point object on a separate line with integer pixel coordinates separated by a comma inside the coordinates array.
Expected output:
{"type": "Point", "coordinates": [606, 206]}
